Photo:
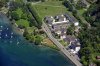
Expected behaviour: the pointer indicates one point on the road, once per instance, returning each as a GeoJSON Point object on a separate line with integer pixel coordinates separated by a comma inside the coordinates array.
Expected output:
{"type": "Point", "coordinates": [60, 46]}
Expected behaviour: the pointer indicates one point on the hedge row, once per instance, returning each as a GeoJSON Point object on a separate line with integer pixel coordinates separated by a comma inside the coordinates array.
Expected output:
{"type": "Point", "coordinates": [35, 15]}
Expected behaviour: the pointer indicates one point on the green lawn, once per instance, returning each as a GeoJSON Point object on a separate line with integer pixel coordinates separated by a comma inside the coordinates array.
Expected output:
{"type": "Point", "coordinates": [23, 22]}
{"type": "Point", "coordinates": [94, 56]}
{"type": "Point", "coordinates": [81, 11]}
{"type": "Point", "coordinates": [63, 43]}
{"type": "Point", "coordinates": [53, 3]}
{"type": "Point", "coordinates": [49, 8]}
{"type": "Point", "coordinates": [31, 29]}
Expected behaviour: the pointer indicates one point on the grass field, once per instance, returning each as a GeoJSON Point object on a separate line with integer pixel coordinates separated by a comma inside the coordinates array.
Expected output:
{"type": "Point", "coordinates": [22, 22]}
{"type": "Point", "coordinates": [53, 3]}
{"type": "Point", "coordinates": [81, 11]}
{"type": "Point", "coordinates": [51, 8]}
{"type": "Point", "coordinates": [63, 43]}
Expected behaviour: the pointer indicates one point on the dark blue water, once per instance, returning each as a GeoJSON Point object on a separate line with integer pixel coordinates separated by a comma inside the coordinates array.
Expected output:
{"type": "Point", "coordinates": [16, 51]}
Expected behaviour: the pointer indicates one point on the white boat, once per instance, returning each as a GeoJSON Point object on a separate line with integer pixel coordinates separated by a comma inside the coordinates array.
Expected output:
{"type": "Point", "coordinates": [7, 28]}
{"type": "Point", "coordinates": [12, 33]}
{"type": "Point", "coordinates": [0, 30]}
{"type": "Point", "coordinates": [17, 42]}
{"type": "Point", "coordinates": [6, 35]}
{"type": "Point", "coordinates": [1, 26]}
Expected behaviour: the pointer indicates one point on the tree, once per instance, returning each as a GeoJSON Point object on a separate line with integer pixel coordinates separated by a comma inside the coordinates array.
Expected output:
{"type": "Point", "coordinates": [37, 18]}
{"type": "Point", "coordinates": [90, 38]}
{"type": "Point", "coordinates": [15, 16]}
{"type": "Point", "coordinates": [32, 38]}
{"type": "Point", "coordinates": [68, 5]}
{"type": "Point", "coordinates": [24, 16]}
{"type": "Point", "coordinates": [3, 3]}
{"type": "Point", "coordinates": [25, 32]}
{"type": "Point", "coordinates": [70, 30]}
{"type": "Point", "coordinates": [38, 39]}
{"type": "Point", "coordinates": [83, 60]}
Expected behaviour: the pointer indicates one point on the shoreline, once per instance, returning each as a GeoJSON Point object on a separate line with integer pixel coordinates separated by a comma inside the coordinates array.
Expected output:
{"type": "Point", "coordinates": [21, 31]}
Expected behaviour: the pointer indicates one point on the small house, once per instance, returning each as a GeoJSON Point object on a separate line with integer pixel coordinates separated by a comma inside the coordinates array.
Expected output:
{"type": "Point", "coordinates": [98, 57]}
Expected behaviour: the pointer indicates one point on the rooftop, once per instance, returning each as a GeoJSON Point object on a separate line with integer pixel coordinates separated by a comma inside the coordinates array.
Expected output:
{"type": "Point", "coordinates": [70, 38]}
{"type": "Point", "coordinates": [71, 18]}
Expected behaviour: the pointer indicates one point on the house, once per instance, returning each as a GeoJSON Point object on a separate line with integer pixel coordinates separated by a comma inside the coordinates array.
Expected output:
{"type": "Point", "coordinates": [58, 28]}
{"type": "Point", "coordinates": [72, 19]}
{"type": "Point", "coordinates": [84, 3]}
{"type": "Point", "coordinates": [49, 20]}
{"type": "Point", "coordinates": [75, 1]}
{"type": "Point", "coordinates": [98, 57]}
{"type": "Point", "coordinates": [69, 38]}
{"type": "Point", "coordinates": [59, 19]}
{"type": "Point", "coordinates": [74, 44]}
{"type": "Point", "coordinates": [74, 48]}
{"type": "Point", "coordinates": [63, 33]}
{"type": "Point", "coordinates": [59, 23]}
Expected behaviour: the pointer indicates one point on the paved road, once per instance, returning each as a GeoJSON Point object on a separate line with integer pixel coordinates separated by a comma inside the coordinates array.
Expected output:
{"type": "Point", "coordinates": [60, 46]}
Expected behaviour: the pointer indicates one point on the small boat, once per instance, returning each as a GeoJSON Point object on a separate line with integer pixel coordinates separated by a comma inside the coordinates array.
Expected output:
{"type": "Point", "coordinates": [1, 26]}
{"type": "Point", "coordinates": [12, 33]}
{"type": "Point", "coordinates": [17, 42]}
{"type": "Point", "coordinates": [7, 28]}
{"type": "Point", "coordinates": [0, 30]}
{"type": "Point", "coordinates": [6, 35]}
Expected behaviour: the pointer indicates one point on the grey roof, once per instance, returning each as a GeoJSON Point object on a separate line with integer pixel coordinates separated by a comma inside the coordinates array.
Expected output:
{"type": "Point", "coordinates": [73, 40]}
{"type": "Point", "coordinates": [63, 30]}
{"type": "Point", "coordinates": [72, 46]}
{"type": "Point", "coordinates": [59, 18]}
{"type": "Point", "coordinates": [85, 2]}
{"type": "Point", "coordinates": [48, 19]}
{"type": "Point", "coordinates": [59, 27]}
{"type": "Point", "coordinates": [71, 18]}
{"type": "Point", "coordinates": [69, 38]}
{"type": "Point", "coordinates": [56, 27]}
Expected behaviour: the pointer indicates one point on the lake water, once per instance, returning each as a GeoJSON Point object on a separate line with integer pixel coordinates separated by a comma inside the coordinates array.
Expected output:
{"type": "Point", "coordinates": [16, 51]}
